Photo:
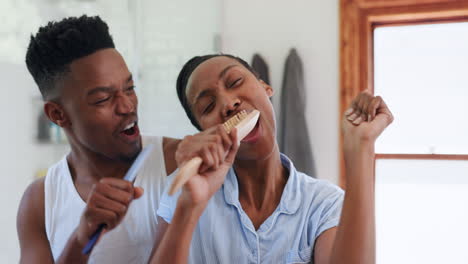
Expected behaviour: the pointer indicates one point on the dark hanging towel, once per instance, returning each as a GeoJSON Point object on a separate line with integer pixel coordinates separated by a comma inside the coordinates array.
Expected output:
{"type": "Point", "coordinates": [260, 66]}
{"type": "Point", "coordinates": [293, 133]}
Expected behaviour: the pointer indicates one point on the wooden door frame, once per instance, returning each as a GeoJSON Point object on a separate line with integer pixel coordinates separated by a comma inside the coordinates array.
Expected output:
{"type": "Point", "coordinates": [358, 19]}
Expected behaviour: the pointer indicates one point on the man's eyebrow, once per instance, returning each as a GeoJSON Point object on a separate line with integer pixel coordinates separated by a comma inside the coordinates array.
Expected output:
{"type": "Point", "coordinates": [99, 89]}
{"type": "Point", "coordinates": [106, 89]}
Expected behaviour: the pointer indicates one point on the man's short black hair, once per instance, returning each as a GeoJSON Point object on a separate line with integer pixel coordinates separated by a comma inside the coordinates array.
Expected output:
{"type": "Point", "coordinates": [58, 44]}
{"type": "Point", "coordinates": [187, 70]}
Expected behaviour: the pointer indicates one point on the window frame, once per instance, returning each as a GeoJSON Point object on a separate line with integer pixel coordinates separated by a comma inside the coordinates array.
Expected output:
{"type": "Point", "coordinates": [358, 19]}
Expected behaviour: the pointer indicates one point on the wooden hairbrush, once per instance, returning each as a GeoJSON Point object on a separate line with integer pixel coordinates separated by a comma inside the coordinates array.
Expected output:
{"type": "Point", "coordinates": [243, 121]}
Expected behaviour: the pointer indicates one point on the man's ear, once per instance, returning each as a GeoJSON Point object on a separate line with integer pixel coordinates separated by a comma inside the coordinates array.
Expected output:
{"type": "Point", "coordinates": [270, 92]}
{"type": "Point", "coordinates": [56, 114]}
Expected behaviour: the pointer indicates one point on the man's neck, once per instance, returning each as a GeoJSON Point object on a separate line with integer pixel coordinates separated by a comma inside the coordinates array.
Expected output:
{"type": "Point", "coordinates": [88, 167]}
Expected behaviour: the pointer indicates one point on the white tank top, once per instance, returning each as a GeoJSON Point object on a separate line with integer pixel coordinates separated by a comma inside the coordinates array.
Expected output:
{"type": "Point", "coordinates": [133, 239]}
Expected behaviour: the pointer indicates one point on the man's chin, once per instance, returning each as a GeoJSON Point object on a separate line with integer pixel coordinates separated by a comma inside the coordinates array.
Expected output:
{"type": "Point", "coordinates": [132, 154]}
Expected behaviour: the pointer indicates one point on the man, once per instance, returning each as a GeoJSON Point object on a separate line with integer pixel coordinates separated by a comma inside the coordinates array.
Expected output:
{"type": "Point", "coordinates": [89, 92]}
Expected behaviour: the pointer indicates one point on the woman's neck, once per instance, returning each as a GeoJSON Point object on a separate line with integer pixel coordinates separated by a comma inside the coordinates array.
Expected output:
{"type": "Point", "coordinates": [261, 185]}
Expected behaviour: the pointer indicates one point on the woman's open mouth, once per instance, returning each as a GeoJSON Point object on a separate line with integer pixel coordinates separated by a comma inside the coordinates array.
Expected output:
{"type": "Point", "coordinates": [254, 135]}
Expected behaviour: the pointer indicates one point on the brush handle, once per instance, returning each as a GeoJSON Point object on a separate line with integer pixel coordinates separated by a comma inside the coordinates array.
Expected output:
{"type": "Point", "coordinates": [189, 169]}
{"type": "Point", "coordinates": [93, 240]}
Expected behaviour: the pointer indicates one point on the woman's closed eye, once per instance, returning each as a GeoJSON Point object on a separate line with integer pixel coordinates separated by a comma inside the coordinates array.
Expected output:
{"type": "Point", "coordinates": [237, 81]}
{"type": "Point", "coordinates": [208, 107]}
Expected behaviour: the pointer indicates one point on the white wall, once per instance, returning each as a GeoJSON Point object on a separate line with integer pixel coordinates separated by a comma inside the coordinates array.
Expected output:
{"type": "Point", "coordinates": [168, 34]}
{"type": "Point", "coordinates": [312, 27]}
{"type": "Point", "coordinates": [21, 156]}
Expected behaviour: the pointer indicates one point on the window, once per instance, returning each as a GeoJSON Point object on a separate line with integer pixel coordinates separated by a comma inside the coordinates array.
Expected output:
{"type": "Point", "coordinates": [422, 71]}
{"type": "Point", "coordinates": [421, 174]}
{"type": "Point", "coordinates": [414, 53]}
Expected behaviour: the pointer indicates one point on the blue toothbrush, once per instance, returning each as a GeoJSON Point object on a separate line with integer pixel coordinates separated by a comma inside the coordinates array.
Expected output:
{"type": "Point", "coordinates": [129, 176]}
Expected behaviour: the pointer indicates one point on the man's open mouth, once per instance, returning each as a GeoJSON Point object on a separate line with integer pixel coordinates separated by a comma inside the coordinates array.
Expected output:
{"type": "Point", "coordinates": [131, 129]}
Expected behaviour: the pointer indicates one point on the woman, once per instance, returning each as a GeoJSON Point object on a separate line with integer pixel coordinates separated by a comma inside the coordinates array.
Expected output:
{"type": "Point", "coordinates": [248, 204]}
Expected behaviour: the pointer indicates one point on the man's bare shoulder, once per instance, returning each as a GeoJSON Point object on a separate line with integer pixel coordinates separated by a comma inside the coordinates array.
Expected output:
{"type": "Point", "coordinates": [30, 224]}
{"type": "Point", "coordinates": [32, 203]}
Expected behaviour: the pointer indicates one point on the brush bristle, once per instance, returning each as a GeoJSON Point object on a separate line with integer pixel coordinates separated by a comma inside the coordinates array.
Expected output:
{"type": "Point", "coordinates": [233, 121]}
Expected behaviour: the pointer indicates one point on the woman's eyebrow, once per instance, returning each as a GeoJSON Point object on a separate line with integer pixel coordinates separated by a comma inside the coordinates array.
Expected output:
{"type": "Point", "coordinates": [202, 94]}
{"type": "Point", "coordinates": [220, 76]}
{"type": "Point", "coordinates": [223, 72]}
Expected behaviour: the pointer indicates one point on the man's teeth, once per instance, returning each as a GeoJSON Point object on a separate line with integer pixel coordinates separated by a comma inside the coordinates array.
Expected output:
{"type": "Point", "coordinates": [130, 126]}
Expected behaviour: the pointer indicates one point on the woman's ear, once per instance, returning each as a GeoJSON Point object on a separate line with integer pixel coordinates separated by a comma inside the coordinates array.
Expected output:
{"type": "Point", "coordinates": [270, 92]}
{"type": "Point", "coordinates": [56, 114]}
